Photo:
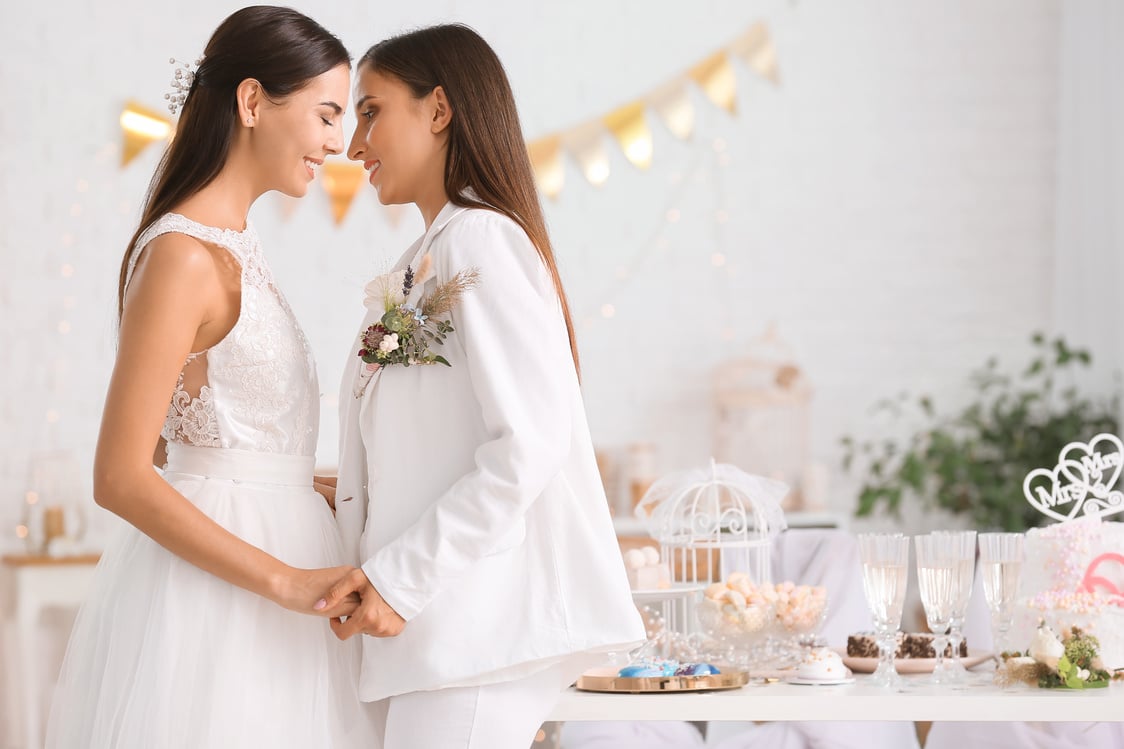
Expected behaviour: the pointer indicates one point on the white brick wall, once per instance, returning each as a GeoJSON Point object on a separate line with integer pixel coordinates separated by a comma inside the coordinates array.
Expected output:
{"type": "Point", "coordinates": [891, 204]}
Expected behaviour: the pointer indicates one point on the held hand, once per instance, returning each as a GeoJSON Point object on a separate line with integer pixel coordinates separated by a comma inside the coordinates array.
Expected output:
{"type": "Point", "coordinates": [374, 616]}
{"type": "Point", "coordinates": [300, 589]}
{"type": "Point", "coordinates": [327, 491]}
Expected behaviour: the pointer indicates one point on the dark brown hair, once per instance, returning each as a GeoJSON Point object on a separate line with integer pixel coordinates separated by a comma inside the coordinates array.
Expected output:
{"type": "Point", "coordinates": [486, 148]}
{"type": "Point", "coordinates": [278, 47]}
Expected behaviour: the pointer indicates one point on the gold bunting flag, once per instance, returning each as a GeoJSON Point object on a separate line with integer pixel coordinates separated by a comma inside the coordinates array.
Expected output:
{"type": "Point", "coordinates": [141, 127]}
{"type": "Point", "coordinates": [673, 105]}
{"type": "Point", "coordinates": [546, 160]}
{"type": "Point", "coordinates": [629, 127]}
{"type": "Point", "coordinates": [341, 181]}
{"type": "Point", "coordinates": [715, 77]}
{"type": "Point", "coordinates": [755, 48]}
{"type": "Point", "coordinates": [587, 145]}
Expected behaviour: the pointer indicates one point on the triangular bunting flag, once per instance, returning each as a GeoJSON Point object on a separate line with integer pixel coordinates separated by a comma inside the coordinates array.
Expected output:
{"type": "Point", "coordinates": [630, 128]}
{"type": "Point", "coordinates": [715, 77]}
{"type": "Point", "coordinates": [341, 181]}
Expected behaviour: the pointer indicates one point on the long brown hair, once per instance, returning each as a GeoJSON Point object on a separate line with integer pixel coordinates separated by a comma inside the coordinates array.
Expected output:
{"type": "Point", "coordinates": [486, 148]}
{"type": "Point", "coordinates": [280, 48]}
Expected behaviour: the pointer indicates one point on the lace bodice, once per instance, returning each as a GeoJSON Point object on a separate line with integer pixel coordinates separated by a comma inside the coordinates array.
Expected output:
{"type": "Point", "coordinates": [256, 389]}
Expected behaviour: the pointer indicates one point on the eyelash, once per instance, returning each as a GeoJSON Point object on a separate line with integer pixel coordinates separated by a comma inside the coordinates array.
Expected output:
{"type": "Point", "coordinates": [369, 114]}
{"type": "Point", "coordinates": [326, 121]}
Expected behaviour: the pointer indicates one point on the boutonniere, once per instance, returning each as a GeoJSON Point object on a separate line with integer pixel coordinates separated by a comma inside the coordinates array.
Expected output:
{"type": "Point", "coordinates": [405, 333]}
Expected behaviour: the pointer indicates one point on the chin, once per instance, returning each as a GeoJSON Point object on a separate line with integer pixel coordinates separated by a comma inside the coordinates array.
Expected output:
{"type": "Point", "coordinates": [387, 197]}
{"type": "Point", "coordinates": [296, 190]}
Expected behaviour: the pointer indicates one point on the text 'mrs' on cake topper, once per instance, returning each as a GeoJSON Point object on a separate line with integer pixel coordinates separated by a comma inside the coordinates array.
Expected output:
{"type": "Point", "coordinates": [1083, 482]}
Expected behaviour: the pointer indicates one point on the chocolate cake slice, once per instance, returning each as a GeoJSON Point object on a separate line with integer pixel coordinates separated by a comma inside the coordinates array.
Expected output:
{"type": "Point", "coordinates": [910, 645]}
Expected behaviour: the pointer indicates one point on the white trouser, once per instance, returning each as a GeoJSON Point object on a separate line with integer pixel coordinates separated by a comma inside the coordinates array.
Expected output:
{"type": "Point", "coordinates": [494, 716]}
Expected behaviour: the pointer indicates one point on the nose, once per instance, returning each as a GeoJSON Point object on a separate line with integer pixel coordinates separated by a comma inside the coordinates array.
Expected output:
{"type": "Point", "coordinates": [358, 146]}
{"type": "Point", "coordinates": [335, 142]}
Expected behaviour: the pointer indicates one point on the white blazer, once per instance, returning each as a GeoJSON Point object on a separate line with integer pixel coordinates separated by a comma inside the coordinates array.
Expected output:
{"type": "Point", "coordinates": [470, 494]}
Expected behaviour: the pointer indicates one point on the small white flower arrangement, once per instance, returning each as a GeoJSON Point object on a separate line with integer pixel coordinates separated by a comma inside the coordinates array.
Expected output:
{"type": "Point", "coordinates": [405, 333]}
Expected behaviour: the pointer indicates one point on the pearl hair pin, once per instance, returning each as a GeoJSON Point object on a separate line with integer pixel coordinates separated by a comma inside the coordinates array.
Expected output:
{"type": "Point", "coordinates": [181, 83]}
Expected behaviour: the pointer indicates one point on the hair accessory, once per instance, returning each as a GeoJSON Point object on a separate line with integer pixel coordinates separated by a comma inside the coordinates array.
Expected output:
{"type": "Point", "coordinates": [181, 83]}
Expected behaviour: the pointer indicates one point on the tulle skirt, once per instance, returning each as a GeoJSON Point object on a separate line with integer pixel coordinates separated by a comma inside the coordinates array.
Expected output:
{"type": "Point", "coordinates": [166, 655]}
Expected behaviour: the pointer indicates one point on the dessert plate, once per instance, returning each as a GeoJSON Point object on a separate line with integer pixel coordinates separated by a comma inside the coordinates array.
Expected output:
{"type": "Point", "coordinates": [794, 679]}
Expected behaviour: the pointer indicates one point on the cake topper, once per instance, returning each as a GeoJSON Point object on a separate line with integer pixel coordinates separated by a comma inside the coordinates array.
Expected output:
{"type": "Point", "coordinates": [1083, 482]}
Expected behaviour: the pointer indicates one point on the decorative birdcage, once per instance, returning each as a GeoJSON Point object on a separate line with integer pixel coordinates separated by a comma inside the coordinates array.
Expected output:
{"type": "Point", "coordinates": [714, 518]}
{"type": "Point", "coordinates": [762, 416]}
{"type": "Point", "coordinates": [708, 522]}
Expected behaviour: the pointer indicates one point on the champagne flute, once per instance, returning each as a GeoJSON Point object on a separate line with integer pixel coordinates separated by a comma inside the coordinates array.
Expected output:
{"type": "Point", "coordinates": [937, 573]}
{"type": "Point", "coordinates": [885, 560]}
{"type": "Point", "coordinates": [963, 549]}
{"type": "Point", "coordinates": [1001, 561]}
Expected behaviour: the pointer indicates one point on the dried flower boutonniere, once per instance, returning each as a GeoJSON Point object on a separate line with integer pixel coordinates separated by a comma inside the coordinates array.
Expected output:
{"type": "Point", "coordinates": [405, 333]}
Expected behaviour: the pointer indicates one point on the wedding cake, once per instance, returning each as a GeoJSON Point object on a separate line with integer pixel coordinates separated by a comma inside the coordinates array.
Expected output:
{"type": "Point", "coordinates": [1073, 576]}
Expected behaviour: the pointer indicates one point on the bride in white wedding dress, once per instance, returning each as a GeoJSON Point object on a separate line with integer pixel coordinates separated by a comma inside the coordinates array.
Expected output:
{"type": "Point", "coordinates": [198, 630]}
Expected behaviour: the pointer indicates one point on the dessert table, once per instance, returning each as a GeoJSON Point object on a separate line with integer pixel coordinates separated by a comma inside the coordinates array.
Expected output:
{"type": "Point", "coordinates": [38, 582]}
{"type": "Point", "coordinates": [778, 701]}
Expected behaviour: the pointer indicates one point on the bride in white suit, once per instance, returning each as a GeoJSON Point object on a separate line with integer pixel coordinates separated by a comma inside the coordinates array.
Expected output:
{"type": "Point", "coordinates": [490, 574]}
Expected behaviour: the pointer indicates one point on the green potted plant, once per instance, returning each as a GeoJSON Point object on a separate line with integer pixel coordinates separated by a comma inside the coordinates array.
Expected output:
{"type": "Point", "coordinates": [974, 462]}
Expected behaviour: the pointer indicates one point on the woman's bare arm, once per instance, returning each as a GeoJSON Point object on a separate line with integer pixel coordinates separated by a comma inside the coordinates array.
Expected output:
{"type": "Point", "coordinates": [173, 299]}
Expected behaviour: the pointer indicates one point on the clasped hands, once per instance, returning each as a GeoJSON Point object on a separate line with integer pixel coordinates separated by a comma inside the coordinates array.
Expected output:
{"type": "Point", "coordinates": [372, 615]}
{"type": "Point", "coordinates": [351, 602]}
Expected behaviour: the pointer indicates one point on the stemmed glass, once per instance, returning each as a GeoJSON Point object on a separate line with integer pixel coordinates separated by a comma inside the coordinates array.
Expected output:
{"type": "Point", "coordinates": [1001, 561]}
{"type": "Point", "coordinates": [963, 548]}
{"type": "Point", "coordinates": [937, 575]}
{"type": "Point", "coordinates": [885, 560]}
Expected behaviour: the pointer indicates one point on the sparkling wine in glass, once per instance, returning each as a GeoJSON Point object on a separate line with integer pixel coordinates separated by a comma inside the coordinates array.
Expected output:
{"type": "Point", "coordinates": [885, 560]}
{"type": "Point", "coordinates": [937, 576]}
{"type": "Point", "coordinates": [1001, 562]}
{"type": "Point", "coordinates": [962, 545]}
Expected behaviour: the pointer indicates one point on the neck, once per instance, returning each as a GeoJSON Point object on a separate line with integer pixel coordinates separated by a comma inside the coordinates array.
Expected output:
{"type": "Point", "coordinates": [226, 201]}
{"type": "Point", "coordinates": [431, 196]}
{"type": "Point", "coordinates": [431, 205]}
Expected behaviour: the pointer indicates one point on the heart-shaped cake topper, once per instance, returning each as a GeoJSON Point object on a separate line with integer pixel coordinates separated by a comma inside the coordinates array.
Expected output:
{"type": "Point", "coordinates": [1100, 458]}
{"type": "Point", "coordinates": [1083, 482]}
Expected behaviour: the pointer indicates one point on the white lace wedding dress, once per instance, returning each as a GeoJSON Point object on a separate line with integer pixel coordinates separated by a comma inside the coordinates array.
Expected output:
{"type": "Point", "coordinates": [164, 655]}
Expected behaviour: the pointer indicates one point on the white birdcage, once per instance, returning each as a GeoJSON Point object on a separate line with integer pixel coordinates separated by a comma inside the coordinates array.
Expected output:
{"type": "Point", "coordinates": [762, 415]}
{"type": "Point", "coordinates": [715, 518]}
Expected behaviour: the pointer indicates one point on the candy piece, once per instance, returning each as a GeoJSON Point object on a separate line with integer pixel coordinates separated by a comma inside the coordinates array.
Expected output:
{"type": "Point", "coordinates": [701, 669]}
{"type": "Point", "coordinates": [715, 591]}
{"type": "Point", "coordinates": [735, 598]}
{"type": "Point", "coordinates": [737, 578]}
{"type": "Point", "coordinates": [634, 559]}
{"type": "Point", "coordinates": [667, 668]}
